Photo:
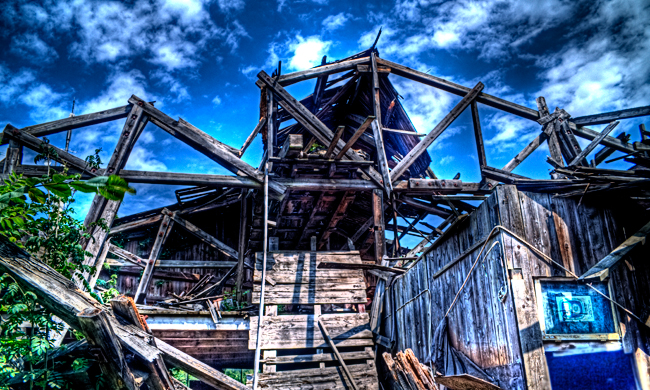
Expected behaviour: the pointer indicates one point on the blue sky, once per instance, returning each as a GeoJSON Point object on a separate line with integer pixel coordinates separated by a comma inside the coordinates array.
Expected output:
{"type": "Point", "coordinates": [198, 60]}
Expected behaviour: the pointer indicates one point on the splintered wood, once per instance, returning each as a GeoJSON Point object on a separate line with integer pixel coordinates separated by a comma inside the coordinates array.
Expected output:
{"type": "Point", "coordinates": [405, 372]}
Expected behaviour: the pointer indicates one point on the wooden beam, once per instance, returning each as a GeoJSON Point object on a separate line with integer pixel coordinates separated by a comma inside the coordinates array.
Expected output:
{"type": "Point", "coordinates": [429, 208]}
{"type": "Point", "coordinates": [527, 151]}
{"type": "Point", "coordinates": [251, 137]}
{"type": "Point", "coordinates": [585, 152]}
{"type": "Point", "coordinates": [99, 333]}
{"type": "Point", "coordinates": [203, 143]}
{"type": "Point", "coordinates": [126, 255]}
{"type": "Point", "coordinates": [135, 224]}
{"type": "Point", "coordinates": [360, 130]}
{"type": "Point", "coordinates": [478, 135]}
{"type": "Point", "coordinates": [421, 147]}
{"type": "Point", "coordinates": [203, 236]}
{"type": "Point", "coordinates": [56, 294]}
{"type": "Point", "coordinates": [308, 120]}
{"type": "Point", "coordinates": [607, 151]}
{"type": "Point", "coordinates": [33, 143]}
{"type": "Point", "coordinates": [382, 162]}
{"type": "Point", "coordinates": [61, 125]}
{"type": "Point", "coordinates": [292, 78]}
{"type": "Point", "coordinates": [378, 225]}
{"type": "Point", "coordinates": [339, 214]}
{"type": "Point", "coordinates": [459, 90]}
{"type": "Point", "coordinates": [272, 108]}
{"type": "Point", "coordinates": [243, 237]}
{"type": "Point", "coordinates": [335, 140]}
{"type": "Point", "coordinates": [329, 340]}
{"type": "Point", "coordinates": [163, 232]}
{"type": "Point", "coordinates": [607, 117]}
{"type": "Point", "coordinates": [601, 269]}
{"type": "Point", "coordinates": [587, 133]}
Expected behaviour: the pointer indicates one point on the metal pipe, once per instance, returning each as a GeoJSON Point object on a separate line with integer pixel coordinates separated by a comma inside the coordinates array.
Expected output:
{"type": "Point", "coordinates": [265, 253]}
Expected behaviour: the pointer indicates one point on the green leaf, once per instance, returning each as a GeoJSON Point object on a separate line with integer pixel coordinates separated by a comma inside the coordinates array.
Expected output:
{"type": "Point", "coordinates": [83, 186]}
{"type": "Point", "coordinates": [36, 195]}
{"type": "Point", "coordinates": [17, 193]}
{"type": "Point", "coordinates": [59, 189]}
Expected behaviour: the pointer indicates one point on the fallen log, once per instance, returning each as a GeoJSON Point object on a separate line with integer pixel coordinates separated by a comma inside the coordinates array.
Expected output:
{"type": "Point", "coordinates": [61, 297]}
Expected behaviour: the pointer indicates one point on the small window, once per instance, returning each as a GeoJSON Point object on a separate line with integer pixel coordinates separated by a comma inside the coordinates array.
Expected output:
{"type": "Point", "coordinates": [570, 310]}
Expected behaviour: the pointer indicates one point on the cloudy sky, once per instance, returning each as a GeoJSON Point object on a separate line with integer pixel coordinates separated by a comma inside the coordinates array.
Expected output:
{"type": "Point", "coordinates": [198, 60]}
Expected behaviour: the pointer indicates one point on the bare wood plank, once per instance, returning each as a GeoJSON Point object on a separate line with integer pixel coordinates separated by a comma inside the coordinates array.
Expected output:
{"type": "Point", "coordinates": [429, 208]}
{"type": "Point", "coordinates": [379, 225]}
{"type": "Point", "coordinates": [323, 357]}
{"type": "Point", "coordinates": [585, 152]}
{"type": "Point", "coordinates": [382, 162]}
{"type": "Point", "coordinates": [136, 224]}
{"type": "Point", "coordinates": [292, 78]}
{"type": "Point", "coordinates": [607, 117]}
{"type": "Point", "coordinates": [478, 135]}
{"type": "Point", "coordinates": [459, 90]}
{"type": "Point", "coordinates": [126, 255]}
{"type": "Point", "coordinates": [145, 279]}
{"type": "Point", "coordinates": [205, 237]}
{"type": "Point", "coordinates": [421, 147]}
{"type": "Point", "coordinates": [610, 141]}
{"type": "Point", "coordinates": [75, 122]}
{"type": "Point", "coordinates": [527, 151]}
{"type": "Point", "coordinates": [243, 236]}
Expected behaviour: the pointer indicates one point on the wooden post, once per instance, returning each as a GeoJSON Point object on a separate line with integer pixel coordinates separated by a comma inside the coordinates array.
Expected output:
{"type": "Point", "coordinates": [14, 154]}
{"type": "Point", "coordinates": [145, 280]}
{"type": "Point", "coordinates": [335, 140]}
{"type": "Point", "coordinates": [271, 106]}
{"type": "Point", "coordinates": [252, 136]}
{"type": "Point", "coordinates": [263, 283]}
{"type": "Point", "coordinates": [243, 236]}
{"type": "Point", "coordinates": [362, 128]}
{"type": "Point", "coordinates": [99, 333]}
{"type": "Point", "coordinates": [478, 135]}
{"type": "Point", "coordinates": [379, 228]}
{"type": "Point", "coordinates": [395, 232]}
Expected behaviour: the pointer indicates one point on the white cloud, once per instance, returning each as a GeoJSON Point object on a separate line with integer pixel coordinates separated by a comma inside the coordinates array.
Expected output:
{"type": "Point", "coordinates": [120, 87]}
{"type": "Point", "coordinates": [22, 87]}
{"type": "Point", "coordinates": [511, 131]}
{"type": "Point", "coordinates": [307, 52]}
{"type": "Point", "coordinates": [446, 160]}
{"type": "Point", "coordinates": [216, 101]}
{"type": "Point", "coordinates": [228, 6]}
{"type": "Point", "coordinates": [142, 159]}
{"type": "Point", "coordinates": [176, 91]}
{"type": "Point", "coordinates": [30, 47]}
{"type": "Point", "coordinates": [334, 22]}
{"type": "Point", "coordinates": [248, 71]}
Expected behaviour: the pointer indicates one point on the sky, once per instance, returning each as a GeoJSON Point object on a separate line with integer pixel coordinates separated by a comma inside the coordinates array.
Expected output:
{"type": "Point", "coordinates": [198, 59]}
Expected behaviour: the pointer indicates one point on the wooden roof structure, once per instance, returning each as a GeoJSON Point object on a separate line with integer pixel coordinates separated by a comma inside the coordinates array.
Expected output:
{"type": "Point", "coordinates": [341, 166]}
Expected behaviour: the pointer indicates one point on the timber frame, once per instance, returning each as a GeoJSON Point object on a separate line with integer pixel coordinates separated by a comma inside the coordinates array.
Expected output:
{"type": "Point", "coordinates": [349, 166]}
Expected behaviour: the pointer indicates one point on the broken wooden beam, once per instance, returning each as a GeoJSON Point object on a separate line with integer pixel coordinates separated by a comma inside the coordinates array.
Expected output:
{"type": "Point", "coordinates": [601, 269]}
{"type": "Point", "coordinates": [595, 142]}
{"type": "Point", "coordinates": [329, 340]}
{"type": "Point", "coordinates": [422, 146]}
{"type": "Point", "coordinates": [335, 140]}
{"type": "Point", "coordinates": [252, 136]}
{"type": "Point", "coordinates": [610, 141]}
{"type": "Point", "coordinates": [360, 130]}
{"type": "Point", "coordinates": [145, 279]}
{"type": "Point", "coordinates": [429, 208]}
{"type": "Point", "coordinates": [96, 327]}
{"type": "Point", "coordinates": [59, 296]}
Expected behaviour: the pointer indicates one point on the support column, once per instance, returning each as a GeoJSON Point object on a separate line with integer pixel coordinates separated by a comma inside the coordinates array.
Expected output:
{"type": "Point", "coordinates": [378, 221]}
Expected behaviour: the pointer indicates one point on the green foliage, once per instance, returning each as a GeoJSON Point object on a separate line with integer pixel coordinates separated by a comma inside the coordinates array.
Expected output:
{"type": "Point", "coordinates": [37, 214]}
{"type": "Point", "coordinates": [230, 302]}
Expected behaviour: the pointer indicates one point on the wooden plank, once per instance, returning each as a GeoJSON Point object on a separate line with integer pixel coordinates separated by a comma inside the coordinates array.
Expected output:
{"type": "Point", "coordinates": [465, 382]}
{"type": "Point", "coordinates": [429, 208]}
{"type": "Point", "coordinates": [527, 151]}
{"type": "Point", "coordinates": [601, 269]}
{"type": "Point", "coordinates": [357, 134]}
{"type": "Point", "coordinates": [145, 279]}
{"type": "Point", "coordinates": [99, 333]}
{"type": "Point", "coordinates": [607, 117]}
{"type": "Point", "coordinates": [422, 146]}
{"type": "Point", "coordinates": [382, 161]}
{"type": "Point", "coordinates": [203, 236]}
{"type": "Point", "coordinates": [243, 236]}
{"type": "Point", "coordinates": [203, 143]}
{"type": "Point", "coordinates": [323, 357]}
{"type": "Point", "coordinates": [610, 141]}
{"type": "Point", "coordinates": [299, 331]}
{"type": "Point", "coordinates": [459, 90]}
{"type": "Point", "coordinates": [596, 141]}
{"type": "Point", "coordinates": [75, 122]}
{"type": "Point", "coordinates": [329, 378]}
{"type": "Point", "coordinates": [364, 266]}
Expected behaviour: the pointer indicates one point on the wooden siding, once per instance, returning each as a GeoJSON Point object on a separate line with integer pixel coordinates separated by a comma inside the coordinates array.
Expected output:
{"type": "Point", "coordinates": [504, 337]}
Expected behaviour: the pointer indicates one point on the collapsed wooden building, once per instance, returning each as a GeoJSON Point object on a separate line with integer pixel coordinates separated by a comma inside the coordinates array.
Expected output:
{"type": "Point", "coordinates": [521, 279]}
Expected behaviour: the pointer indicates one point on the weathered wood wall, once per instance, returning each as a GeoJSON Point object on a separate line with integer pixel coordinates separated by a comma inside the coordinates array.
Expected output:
{"type": "Point", "coordinates": [506, 342]}
{"type": "Point", "coordinates": [222, 223]}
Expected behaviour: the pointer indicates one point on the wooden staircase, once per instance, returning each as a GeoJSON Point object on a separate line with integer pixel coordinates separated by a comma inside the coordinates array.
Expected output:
{"type": "Point", "coordinates": [295, 353]}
